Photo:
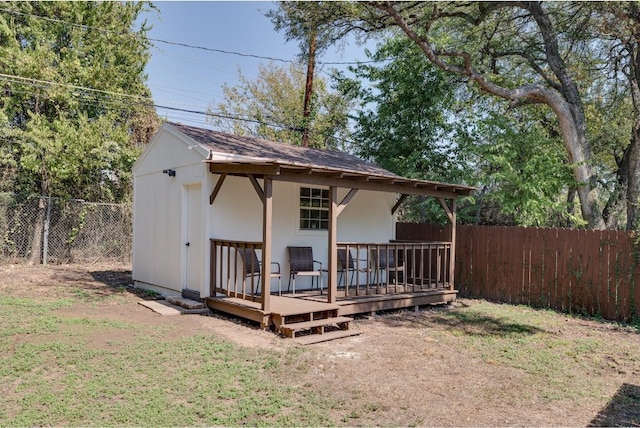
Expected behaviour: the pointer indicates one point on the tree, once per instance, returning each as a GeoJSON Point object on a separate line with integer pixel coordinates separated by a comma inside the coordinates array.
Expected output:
{"type": "Point", "coordinates": [420, 122]}
{"type": "Point", "coordinates": [619, 30]}
{"type": "Point", "coordinates": [270, 107]}
{"type": "Point", "coordinates": [72, 80]}
{"type": "Point", "coordinates": [402, 121]}
{"type": "Point", "coordinates": [72, 117]}
{"type": "Point", "coordinates": [519, 168]}
{"type": "Point", "coordinates": [521, 52]}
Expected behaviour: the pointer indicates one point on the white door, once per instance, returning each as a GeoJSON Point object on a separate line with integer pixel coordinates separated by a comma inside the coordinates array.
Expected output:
{"type": "Point", "coordinates": [193, 238]}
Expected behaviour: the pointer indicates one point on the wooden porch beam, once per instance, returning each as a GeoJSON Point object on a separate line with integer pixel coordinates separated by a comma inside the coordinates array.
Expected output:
{"type": "Point", "coordinates": [267, 234]}
{"type": "Point", "coordinates": [345, 201]}
{"type": "Point", "coordinates": [401, 200]}
{"type": "Point", "coordinates": [448, 210]}
{"type": "Point", "coordinates": [321, 180]}
{"type": "Point", "coordinates": [451, 213]}
{"type": "Point", "coordinates": [256, 185]}
{"type": "Point", "coordinates": [244, 169]}
{"type": "Point", "coordinates": [217, 187]}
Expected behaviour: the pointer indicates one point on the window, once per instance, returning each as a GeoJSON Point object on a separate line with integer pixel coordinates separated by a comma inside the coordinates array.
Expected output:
{"type": "Point", "coordinates": [314, 209]}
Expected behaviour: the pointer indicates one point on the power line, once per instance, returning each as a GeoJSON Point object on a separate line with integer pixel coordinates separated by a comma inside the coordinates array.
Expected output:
{"type": "Point", "coordinates": [186, 45]}
{"type": "Point", "coordinates": [99, 98]}
{"type": "Point", "coordinates": [144, 101]}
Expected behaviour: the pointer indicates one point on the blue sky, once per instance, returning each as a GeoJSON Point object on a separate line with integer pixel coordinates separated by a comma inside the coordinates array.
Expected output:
{"type": "Point", "coordinates": [192, 79]}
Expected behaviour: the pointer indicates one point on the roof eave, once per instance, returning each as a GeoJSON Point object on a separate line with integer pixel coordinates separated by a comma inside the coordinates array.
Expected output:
{"type": "Point", "coordinates": [310, 174]}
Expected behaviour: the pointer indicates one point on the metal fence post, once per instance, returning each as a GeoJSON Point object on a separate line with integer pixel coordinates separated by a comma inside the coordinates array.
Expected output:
{"type": "Point", "coordinates": [47, 221]}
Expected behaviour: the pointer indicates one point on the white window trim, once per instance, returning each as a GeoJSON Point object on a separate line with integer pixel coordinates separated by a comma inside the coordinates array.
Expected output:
{"type": "Point", "coordinates": [298, 229]}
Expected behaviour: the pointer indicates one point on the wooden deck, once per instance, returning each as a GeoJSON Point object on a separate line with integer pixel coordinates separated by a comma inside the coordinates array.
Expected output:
{"type": "Point", "coordinates": [289, 316]}
{"type": "Point", "coordinates": [293, 313]}
{"type": "Point", "coordinates": [352, 305]}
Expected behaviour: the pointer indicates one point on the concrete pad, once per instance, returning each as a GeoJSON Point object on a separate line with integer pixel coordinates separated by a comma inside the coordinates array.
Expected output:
{"type": "Point", "coordinates": [159, 307]}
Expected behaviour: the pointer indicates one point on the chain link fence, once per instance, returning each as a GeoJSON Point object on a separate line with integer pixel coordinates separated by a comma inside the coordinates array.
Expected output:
{"type": "Point", "coordinates": [54, 230]}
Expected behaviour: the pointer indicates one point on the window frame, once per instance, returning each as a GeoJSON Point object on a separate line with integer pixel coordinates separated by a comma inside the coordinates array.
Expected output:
{"type": "Point", "coordinates": [313, 208]}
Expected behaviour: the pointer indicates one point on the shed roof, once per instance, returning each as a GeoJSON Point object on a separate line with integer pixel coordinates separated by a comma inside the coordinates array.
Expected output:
{"type": "Point", "coordinates": [289, 159]}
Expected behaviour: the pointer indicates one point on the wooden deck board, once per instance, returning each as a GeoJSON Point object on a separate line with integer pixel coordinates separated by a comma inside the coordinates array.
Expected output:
{"type": "Point", "coordinates": [343, 301]}
{"type": "Point", "coordinates": [316, 323]}
{"type": "Point", "coordinates": [312, 302]}
{"type": "Point", "coordinates": [292, 305]}
{"type": "Point", "coordinates": [279, 304]}
{"type": "Point", "coordinates": [381, 302]}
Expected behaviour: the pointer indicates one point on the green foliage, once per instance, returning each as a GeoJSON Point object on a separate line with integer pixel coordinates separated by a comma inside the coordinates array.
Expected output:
{"type": "Point", "coordinates": [404, 107]}
{"type": "Point", "coordinates": [60, 139]}
{"type": "Point", "coordinates": [577, 59]}
{"type": "Point", "coordinates": [403, 120]}
{"type": "Point", "coordinates": [417, 121]}
{"type": "Point", "coordinates": [327, 20]}
{"type": "Point", "coordinates": [273, 105]}
{"type": "Point", "coordinates": [520, 169]}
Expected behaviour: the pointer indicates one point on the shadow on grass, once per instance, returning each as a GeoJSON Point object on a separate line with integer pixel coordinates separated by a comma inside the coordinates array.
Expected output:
{"type": "Point", "coordinates": [85, 283]}
{"type": "Point", "coordinates": [119, 281]}
{"type": "Point", "coordinates": [622, 411]}
{"type": "Point", "coordinates": [468, 323]}
{"type": "Point", "coordinates": [113, 278]}
{"type": "Point", "coordinates": [484, 325]}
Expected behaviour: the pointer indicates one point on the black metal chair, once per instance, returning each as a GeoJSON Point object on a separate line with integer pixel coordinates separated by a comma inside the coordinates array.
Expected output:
{"type": "Point", "coordinates": [386, 261]}
{"type": "Point", "coordinates": [252, 267]}
{"type": "Point", "coordinates": [301, 263]}
{"type": "Point", "coordinates": [347, 264]}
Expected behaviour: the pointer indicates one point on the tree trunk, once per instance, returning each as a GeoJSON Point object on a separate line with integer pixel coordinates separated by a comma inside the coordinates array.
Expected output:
{"type": "Point", "coordinates": [633, 175]}
{"type": "Point", "coordinates": [631, 158]}
{"type": "Point", "coordinates": [575, 141]}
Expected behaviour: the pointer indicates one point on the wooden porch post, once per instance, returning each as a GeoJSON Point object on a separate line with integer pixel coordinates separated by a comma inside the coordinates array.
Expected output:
{"type": "Point", "coordinates": [452, 256]}
{"type": "Point", "coordinates": [332, 269]}
{"type": "Point", "coordinates": [267, 222]}
{"type": "Point", "coordinates": [451, 213]}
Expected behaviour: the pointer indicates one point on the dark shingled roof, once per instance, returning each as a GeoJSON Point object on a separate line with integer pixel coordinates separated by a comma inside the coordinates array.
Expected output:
{"type": "Point", "coordinates": [281, 153]}
{"type": "Point", "coordinates": [318, 161]}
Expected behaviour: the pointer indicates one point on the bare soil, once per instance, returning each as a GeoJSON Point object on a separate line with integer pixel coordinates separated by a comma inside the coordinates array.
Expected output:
{"type": "Point", "coordinates": [403, 369]}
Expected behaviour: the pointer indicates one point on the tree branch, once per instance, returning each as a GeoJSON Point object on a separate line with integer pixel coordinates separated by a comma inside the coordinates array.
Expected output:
{"type": "Point", "coordinates": [533, 92]}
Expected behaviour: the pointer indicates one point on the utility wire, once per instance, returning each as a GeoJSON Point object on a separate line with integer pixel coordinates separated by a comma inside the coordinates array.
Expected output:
{"type": "Point", "coordinates": [186, 45]}
{"type": "Point", "coordinates": [100, 98]}
{"type": "Point", "coordinates": [143, 101]}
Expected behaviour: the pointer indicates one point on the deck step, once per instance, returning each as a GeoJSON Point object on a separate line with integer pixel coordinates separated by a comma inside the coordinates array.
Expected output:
{"type": "Point", "coordinates": [184, 302]}
{"type": "Point", "coordinates": [318, 338]}
{"type": "Point", "coordinates": [289, 330]}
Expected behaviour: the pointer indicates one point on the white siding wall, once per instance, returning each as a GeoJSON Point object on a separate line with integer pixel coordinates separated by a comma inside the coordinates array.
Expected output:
{"type": "Point", "coordinates": [158, 250]}
{"type": "Point", "coordinates": [237, 215]}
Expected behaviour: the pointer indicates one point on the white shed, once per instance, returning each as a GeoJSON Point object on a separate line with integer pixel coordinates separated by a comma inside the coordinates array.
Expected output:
{"type": "Point", "coordinates": [196, 190]}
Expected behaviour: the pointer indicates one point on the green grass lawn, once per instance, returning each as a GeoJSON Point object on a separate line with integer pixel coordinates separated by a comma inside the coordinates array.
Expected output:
{"type": "Point", "coordinates": [52, 376]}
{"type": "Point", "coordinates": [54, 372]}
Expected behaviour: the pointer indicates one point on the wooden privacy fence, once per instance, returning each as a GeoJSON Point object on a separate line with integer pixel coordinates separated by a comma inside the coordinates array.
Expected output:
{"type": "Point", "coordinates": [577, 271]}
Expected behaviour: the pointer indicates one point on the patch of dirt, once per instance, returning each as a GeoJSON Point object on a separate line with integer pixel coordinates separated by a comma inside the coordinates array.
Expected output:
{"type": "Point", "coordinates": [400, 371]}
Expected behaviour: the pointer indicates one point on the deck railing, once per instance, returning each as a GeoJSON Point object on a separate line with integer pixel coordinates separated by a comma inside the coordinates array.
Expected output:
{"type": "Point", "coordinates": [369, 268]}
{"type": "Point", "coordinates": [390, 268]}
{"type": "Point", "coordinates": [230, 273]}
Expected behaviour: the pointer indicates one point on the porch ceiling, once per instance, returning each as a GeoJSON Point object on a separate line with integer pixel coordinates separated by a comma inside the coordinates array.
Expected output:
{"type": "Point", "coordinates": [326, 176]}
